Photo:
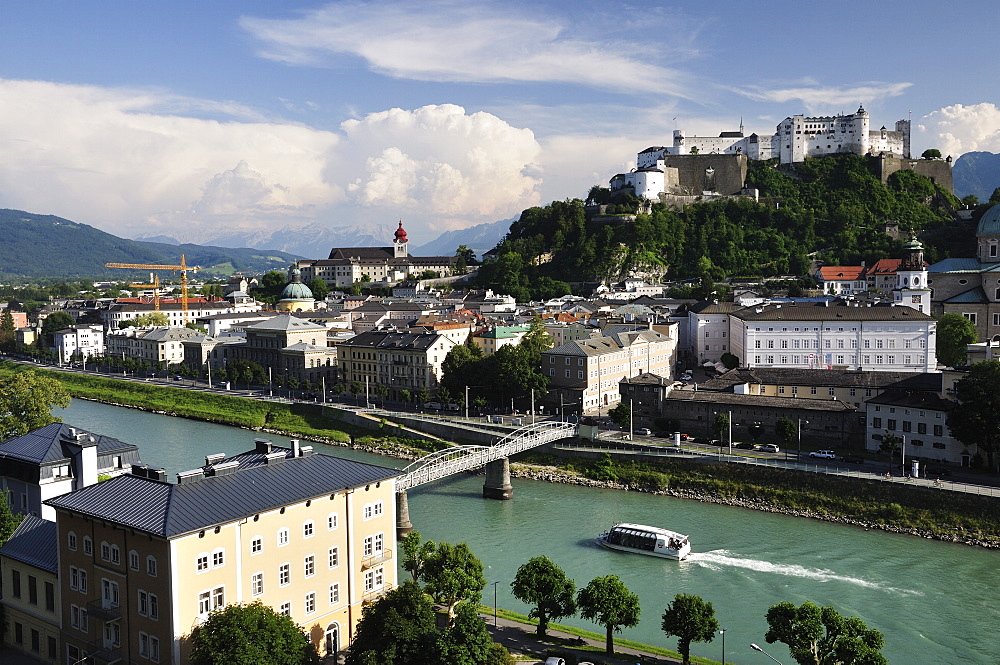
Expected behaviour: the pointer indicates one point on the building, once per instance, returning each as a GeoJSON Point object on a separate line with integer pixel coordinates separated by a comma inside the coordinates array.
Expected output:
{"type": "Point", "coordinates": [56, 459]}
{"type": "Point", "coordinates": [177, 316]}
{"type": "Point", "coordinates": [143, 561]}
{"type": "Point", "coordinates": [838, 335]}
{"type": "Point", "coordinates": [346, 266]}
{"type": "Point", "coordinates": [31, 600]}
{"type": "Point", "coordinates": [920, 419]}
{"type": "Point", "coordinates": [296, 296]}
{"type": "Point", "coordinates": [397, 360]}
{"type": "Point", "coordinates": [497, 337]}
{"type": "Point", "coordinates": [83, 341]}
{"type": "Point", "coordinates": [708, 332]}
{"type": "Point", "coordinates": [587, 372]}
{"type": "Point", "coordinates": [154, 345]}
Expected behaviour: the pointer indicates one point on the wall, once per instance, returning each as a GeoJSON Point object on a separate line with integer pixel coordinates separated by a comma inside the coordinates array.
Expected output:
{"type": "Point", "coordinates": [730, 172]}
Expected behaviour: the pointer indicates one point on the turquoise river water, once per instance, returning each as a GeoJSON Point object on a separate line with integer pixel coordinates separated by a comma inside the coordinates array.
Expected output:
{"type": "Point", "coordinates": [933, 601]}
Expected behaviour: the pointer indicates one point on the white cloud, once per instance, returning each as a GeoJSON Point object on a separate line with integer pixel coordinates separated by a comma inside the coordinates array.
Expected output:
{"type": "Point", "coordinates": [113, 159]}
{"type": "Point", "coordinates": [957, 129]}
{"type": "Point", "coordinates": [818, 99]}
{"type": "Point", "coordinates": [466, 42]}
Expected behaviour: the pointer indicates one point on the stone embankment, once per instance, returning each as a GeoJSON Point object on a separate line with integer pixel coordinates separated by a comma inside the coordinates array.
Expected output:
{"type": "Point", "coordinates": [553, 475]}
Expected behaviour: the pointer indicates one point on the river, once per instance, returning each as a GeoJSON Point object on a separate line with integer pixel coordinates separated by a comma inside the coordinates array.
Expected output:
{"type": "Point", "coordinates": [933, 601]}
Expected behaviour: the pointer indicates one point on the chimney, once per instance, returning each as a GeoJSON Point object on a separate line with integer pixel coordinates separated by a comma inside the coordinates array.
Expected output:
{"type": "Point", "coordinates": [262, 445]}
{"type": "Point", "coordinates": [306, 451]}
{"type": "Point", "coordinates": [188, 477]}
{"type": "Point", "coordinates": [296, 452]}
{"type": "Point", "coordinates": [214, 459]}
{"type": "Point", "coordinates": [277, 457]}
{"type": "Point", "coordinates": [224, 468]}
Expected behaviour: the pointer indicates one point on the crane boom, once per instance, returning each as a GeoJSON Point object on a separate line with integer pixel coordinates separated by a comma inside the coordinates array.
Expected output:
{"type": "Point", "coordinates": [183, 267]}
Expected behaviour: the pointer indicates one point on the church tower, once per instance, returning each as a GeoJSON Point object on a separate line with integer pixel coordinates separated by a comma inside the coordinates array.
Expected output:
{"type": "Point", "coordinates": [399, 244]}
{"type": "Point", "coordinates": [911, 279]}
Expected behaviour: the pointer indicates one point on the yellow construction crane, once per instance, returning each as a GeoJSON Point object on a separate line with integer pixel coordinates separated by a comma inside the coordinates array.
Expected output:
{"type": "Point", "coordinates": [183, 267]}
{"type": "Point", "coordinates": [155, 279]}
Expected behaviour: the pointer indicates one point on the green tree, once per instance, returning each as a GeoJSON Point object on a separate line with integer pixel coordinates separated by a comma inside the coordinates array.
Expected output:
{"type": "Point", "coordinates": [211, 290]}
{"type": "Point", "coordinates": [890, 444]}
{"type": "Point", "coordinates": [954, 334]}
{"type": "Point", "coordinates": [543, 584]}
{"type": "Point", "coordinates": [729, 360]}
{"type": "Point", "coordinates": [53, 323]}
{"type": "Point", "coordinates": [821, 636]}
{"type": "Point", "coordinates": [451, 574]}
{"type": "Point", "coordinates": [319, 288]}
{"type": "Point", "coordinates": [8, 518]}
{"type": "Point", "coordinates": [397, 629]}
{"type": "Point", "coordinates": [974, 421]}
{"type": "Point", "coordinates": [721, 426]}
{"type": "Point", "coordinates": [467, 641]}
{"type": "Point", "coordinates": [152, 319]}
{"type": "Point", "coordinates": [931, 153]}
{"type": "Point", "coordinates": [251, 635]}
{"type": "Point", "coordinates": [273, 280]}
{"type": "Point", "coordinates": [26, 402]}
{"type": "Point", "coordinates": [690, 619]}
{"type": "Point", "coordinates": [415, 554]}
{"type": "Point", "coordinates": [786, 429]}
{"type": "Point", "coordinates": [621, 415]}
{"type": "Point", "coordinates": [8, 333]}
{"type": "Point", "coordinates": [608, 602]}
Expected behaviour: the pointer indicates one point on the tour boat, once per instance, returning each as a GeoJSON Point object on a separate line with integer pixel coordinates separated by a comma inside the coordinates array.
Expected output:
{"type": "Point", "coordinates": [643, 539]}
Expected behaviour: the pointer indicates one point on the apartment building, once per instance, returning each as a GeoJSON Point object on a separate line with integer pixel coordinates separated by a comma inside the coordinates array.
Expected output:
{"type": "Point", "coordinates": [143, 561]}
{"type": "Point", "coordinates": [28, 576]}
{"type": "Point", "coordinates": [85, 340]}
{"type": "Point", "coordinates": [162, 344]}
{"type": "Point", "coordinates": [397, 360]}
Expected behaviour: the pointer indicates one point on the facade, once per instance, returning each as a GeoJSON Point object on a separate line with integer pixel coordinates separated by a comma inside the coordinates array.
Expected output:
{"type": "Point", "coordinates": [31, 599]}
{"type": "Point", "coordinates": [286, 345]}
{"type": "Point", "coordinates": [838, 335]}
{"type": "Point", "coordinates": [56, 459]}
{"type": "Point", "coordinates": [494, 339]}
{"type": "Point", "coordinates": [178, 318]}
{"type": "Point", "coordinates": [708, 332]}
{"type": "Point", "coordinates": [85, 340]}
{"type": "Point", "coordinates": [920, 419]}
{"type": "Point", "coordinates": [309, 535]}
{"type": "Point", "coordinates": [154, 345]}
{"type": "Point", "coordinates": [588, 372]}
{"type": "Point", "coordinates": [398, 360]}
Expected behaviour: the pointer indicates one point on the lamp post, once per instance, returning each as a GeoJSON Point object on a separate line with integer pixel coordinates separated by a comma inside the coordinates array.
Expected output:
{"type": "Point", "coordinates": [798, 429]}
{"type": "Point", "coordinates": [757, 648]}
{"type": "Point", "coordinates": [902, 449]}
{"type": "Point", "coordinates": [467, 402]}
{"type": "Point", "coordinates": [494, 585]}
{"type": "Point", "coordinates": [722, 632]}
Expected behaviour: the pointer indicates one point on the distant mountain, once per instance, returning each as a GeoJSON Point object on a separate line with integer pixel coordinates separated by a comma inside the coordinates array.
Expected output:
{"type": "Point", "coordinates": [312, 241]}
{"type": "Point", "coordinates": [480, 238]}
{"type": "Point", "coordinates": [37, 246]}
{"type": "Point", "coordinates": [976, 173]}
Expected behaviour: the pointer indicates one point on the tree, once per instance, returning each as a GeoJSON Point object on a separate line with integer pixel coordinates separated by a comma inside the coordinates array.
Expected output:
{"type": "Point", "coordinates": [721, 425]}
{"type": "Point", "coordinates": [152, 319]}
{"type": "Point", "coordinates": [973, 421]}
{"type": "Point", "coordinates": [26, 402]}
{"type": "Point", "coordinates": [53, 323]}
{"type": "Point", "coordinates": [415, 554]}
{"type": "Point", "coordinates": [273, 280]}
{"type": "Point", "coordinates": [931, 153]}
{"type": "Point", "coordinates": [452, 573]}
{"type": "Point", "coordinates": [690, 619]}
{"type": "Point", "coordinates": [8, 518]}
{"type": "Point", "coordinates": [319, 288]}
{"type": "Point", "coordinates": [397, 629]}
{"type": "Point", "coordinates": [786, 429]}
{"type": "Point", "coordinates": [252, 635]}
{"type": "Point", "coordinates": [8, 333]}
{"type": "Point", "coordinates": [955, 333]}
{"type": "Point", "coordinates": [821, 636]}
{"type": "Point", "coordinates": [467, 641]}
{"type": "Point", "coordinates": [729, 360]}
{"type": "Point", "coordinates": [890, 444]}
{"type": "Point", "coordinates": [621, 415]}
{"type": "Point", "coordinates": [608, 602]}
{"type": "Point", "coordinates": [544, 584]}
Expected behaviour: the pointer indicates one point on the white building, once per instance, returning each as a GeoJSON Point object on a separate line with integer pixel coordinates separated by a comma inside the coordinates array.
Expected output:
{"type": "Point", "coordinates": [160, 344]}
{"type": "Point", "coordinates": [707, 331]}
{"type": "Point", "coordinates": [87, 340]}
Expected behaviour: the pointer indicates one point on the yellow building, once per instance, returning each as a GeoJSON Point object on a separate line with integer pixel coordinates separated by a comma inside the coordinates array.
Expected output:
{"type": "Point", "coordinates": [31, 589]}
{"type": "Point", "coordinates": [143, 561]}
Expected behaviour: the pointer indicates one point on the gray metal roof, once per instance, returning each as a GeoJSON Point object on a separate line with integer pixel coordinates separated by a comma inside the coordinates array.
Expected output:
{"type": "Point", "coordinates": [834, 378]}
{"type": "Point", "coordinates": [989, 223]}
{"type": "Point", "coordinates": [168, 510]}
{"type": "Point", "coordinates": [285, 322]}
{"type": "Point", "coordinates": [837, 311]}
{"type": "Point", "coordinates": [34, 542]}
{"type": "Point", "coordinates": [45, 444]}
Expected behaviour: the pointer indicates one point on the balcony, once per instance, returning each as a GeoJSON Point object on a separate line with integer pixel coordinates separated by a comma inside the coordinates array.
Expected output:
{"type": "Point", "coordinates": [376, 559]}
{"type": "Point", "coordinates": [103, 655]}
{"type": "Point", "coordinates": [103, 611]}
{"type": "Point", "coordinates": [375, 594]}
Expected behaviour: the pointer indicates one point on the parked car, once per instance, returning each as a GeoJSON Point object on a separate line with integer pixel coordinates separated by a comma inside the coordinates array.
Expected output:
{"type": "Point", "coordinates": [770, 448]}
{"type": "Point", "coordinates": [853, 459]}
{"type": "Point", "coordinates": [744, 445]}
{"type": "Point", "coordinates": [643, 431]}
{"type": "Point", "coordinates": [700, 439]}
{"type": "Point", "coordinates": [823, 454]}
{"type": "Point", "coordinates": [178, 377]}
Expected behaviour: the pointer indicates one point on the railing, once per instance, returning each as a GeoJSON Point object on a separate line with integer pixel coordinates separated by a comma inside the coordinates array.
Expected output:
{"type": "Point", "coordinates": [99, 653]}
{"type": "Point", "coordinates": [376, 559]}
{"type": "Point", "coordinates": [375, 594]}
{"type": "Point", "coordinates": [103, 611]}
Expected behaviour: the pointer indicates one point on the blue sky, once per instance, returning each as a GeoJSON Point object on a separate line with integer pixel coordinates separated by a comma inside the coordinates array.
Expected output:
{"type": "Point", "coordinates": [187, 118]}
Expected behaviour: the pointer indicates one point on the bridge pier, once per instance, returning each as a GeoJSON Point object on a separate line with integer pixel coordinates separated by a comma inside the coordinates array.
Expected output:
{"type": "Point", "coordinates": [403, 523]}
{"type": "Point", "coordinates": [497, 485]}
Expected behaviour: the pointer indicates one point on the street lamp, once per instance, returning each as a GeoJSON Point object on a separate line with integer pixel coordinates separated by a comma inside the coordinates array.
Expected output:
{"type": "Point", "coordinates": [757, 648]}
{"type": "Point", "coordinates": [798, 429]}
{"type": "Point", "coordinates": [723, 633]}
{"type": "Point", "coordinates": [494, 585]}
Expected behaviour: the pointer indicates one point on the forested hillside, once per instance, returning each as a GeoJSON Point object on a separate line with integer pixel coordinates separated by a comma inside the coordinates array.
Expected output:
{"type": "Point", "coordinates": [832, 209]}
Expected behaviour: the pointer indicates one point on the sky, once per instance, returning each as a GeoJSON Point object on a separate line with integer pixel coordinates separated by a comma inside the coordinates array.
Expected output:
{"type": "Point", "coordinates": [188, 118]}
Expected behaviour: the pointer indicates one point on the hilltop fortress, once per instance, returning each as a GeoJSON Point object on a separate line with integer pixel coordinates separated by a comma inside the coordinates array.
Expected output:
{"type": "Point", "coordinates": [707, 165]}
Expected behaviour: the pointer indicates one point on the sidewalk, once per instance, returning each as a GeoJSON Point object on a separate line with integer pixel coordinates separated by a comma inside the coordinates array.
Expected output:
{"type": "Point", "coordinates": [521, 640]}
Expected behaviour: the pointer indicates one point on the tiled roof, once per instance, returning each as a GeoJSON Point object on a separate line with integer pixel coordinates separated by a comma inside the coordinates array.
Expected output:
{"type": "Point", "coordinates": [35, 542]}
{"type": "Point", "coordinates": [45, 444]}
{"type": "Point", "coordinates": [841, 273]}
{"type": "Point", "coordinates": [168, 510]}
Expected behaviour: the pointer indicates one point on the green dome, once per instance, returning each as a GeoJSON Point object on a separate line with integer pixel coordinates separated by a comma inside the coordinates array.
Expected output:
{"type": "Point", "coordinates": [989, 223]}
{"type": "Point", "coordinates": [295, 289]}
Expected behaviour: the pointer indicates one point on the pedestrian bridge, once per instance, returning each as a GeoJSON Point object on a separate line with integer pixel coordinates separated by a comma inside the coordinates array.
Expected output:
{"type": "Point", "coordinates": [459, 459]}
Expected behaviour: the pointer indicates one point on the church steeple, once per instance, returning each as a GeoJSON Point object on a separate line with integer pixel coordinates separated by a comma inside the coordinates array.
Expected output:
{"type": "Point", "coordinates": [399, 242]}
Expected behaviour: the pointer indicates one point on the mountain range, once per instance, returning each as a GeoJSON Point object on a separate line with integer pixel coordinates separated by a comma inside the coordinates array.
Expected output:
{"type": "Point", "coordinates": [976, 173]}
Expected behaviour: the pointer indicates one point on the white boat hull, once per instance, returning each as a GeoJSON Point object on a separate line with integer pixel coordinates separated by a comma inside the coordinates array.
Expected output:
{"type": "Point", "coordinates": [667, 553]}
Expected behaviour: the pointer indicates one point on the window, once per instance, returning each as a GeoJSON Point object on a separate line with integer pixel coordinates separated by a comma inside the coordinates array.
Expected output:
{"type": "Point", "coordinates": [921, 428]}
{"type": "Point", "coordinates": [256, 545]}
{"type": "Point", "coordinates": [331, 522]}
{"type": "Point", "coordinates": [133, 560]}
{"type": "Point", "coordinates": [50, 597]}
{"type": "Point", "coordinates": [105, 551]}
{"type": "Point", "coordinates": [890, 424]}
{"type": "Point", "coordinates": [307, 529]}
{"type": "Point", "coordinates": [374, 579]}
{"type": "Point", "coordinates": [32, 589]}
{"type": "Point", "coordinates": [334, 593]}
{"type": "Point", "coordinates": [143, 608]}
{"type": "Point", "coordinates": [218, 558]}
{"type": "Point", "coordinates": [284, 574]}
{"type": "Point", "coordinates": [310, 602]}
{"type": "Point", "coordinates": [154, 649]}
{"type": "Point", "coordinates": [971, 316]}
{"type": "Point", "coordinates": [282, 537]}
{"type": "Point", "coordinates": [151, 566]}
{"type": "Point", "coordinates": [154, 606]}
{"type": "Point", "coordinates": [74, 578]}
{"type": "Point", "coordinates": [938, 430]}
{"type": "Point", "coordinates": [83, 581]}
{"type": "Point", "coordinates": [15, 583]}
{"type": "Point", "coordinates": [71, 540]}
{"type": "Point", "coordinates": [257, 584]}
{"type": "Point", "coordinates": [832, 392]}
{"type": "Point", "coordinates": [812, 390]}
{"type": "Point", "coordinates": [310, 565]}
{"type": "Point", "coordinates": [109, 592]}
{"type": "Point", "coordinates": [372, 510]}
{"type": "Point", "coordinates": [906, 425]}
{"type": "Point", "coordinates": [218, 598]}
{"type": "Point", "coordinates": [334, 557]}
{"type": "Point", "coordinates": [286, 608]}
{"type": "Point", "coordinates": [201, 563]}
{"type": "Point", "coordinates": [877, 423]}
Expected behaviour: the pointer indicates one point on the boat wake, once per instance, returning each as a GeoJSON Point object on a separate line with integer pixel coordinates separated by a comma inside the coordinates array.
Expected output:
{"type": "Point", "coordinates": [719, 559]}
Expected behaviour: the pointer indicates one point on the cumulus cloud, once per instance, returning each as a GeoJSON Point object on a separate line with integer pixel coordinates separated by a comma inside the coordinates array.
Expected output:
{"type": "Point", "coordinates": [459, 41]}
{"type": "Point", "coordinates": [115, 159]}
{"type": "Point", "coordinates": [820, 99]}
{"type": "Point", "coordinates": [957, 129]}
